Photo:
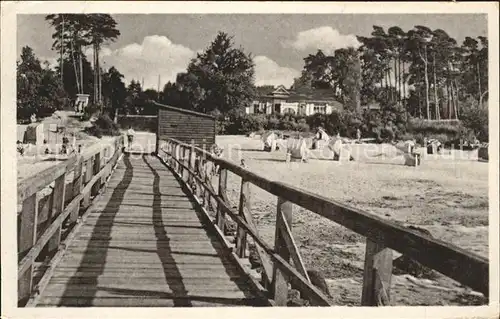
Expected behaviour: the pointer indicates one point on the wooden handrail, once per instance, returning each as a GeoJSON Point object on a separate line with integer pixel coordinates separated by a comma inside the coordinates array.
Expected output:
{"type": "Point", "coordinates": [466, 267]}
{"type": "Point", "coordinates": [31, 246]}
{"type": "Point", "coordinates": [313, 292]}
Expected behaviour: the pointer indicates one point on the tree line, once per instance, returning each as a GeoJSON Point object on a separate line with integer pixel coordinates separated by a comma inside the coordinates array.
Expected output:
{"type": "Point", "coordinates": [419, 73]}
{"type": "Point", "coordinates": [424, 71]}
{"type": "Point", "coordinates": [42, 90]}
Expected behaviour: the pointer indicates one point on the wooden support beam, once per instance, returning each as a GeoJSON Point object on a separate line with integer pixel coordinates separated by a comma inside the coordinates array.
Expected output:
{"type": "Point", "coordinates": [241, 234]}
{"type": "Point", "coordinates": [377, 275]}
{"type": "Point", "coordinates": [77, 188]}
{"type": "Point", "coordinates": [280, 278]}
{"type": "Point", "coordinates": [96, 170]}
{"type": "Point", "coordinates": [88, 176]}
{"type": "Point", "coordinates": [27, 229]}
{"type": "Point", "coordinates": [221, 216]}
{"type": "Point", "coordinates": [286, 234]}
{"type": "Point", "coordinates": [57, 209]}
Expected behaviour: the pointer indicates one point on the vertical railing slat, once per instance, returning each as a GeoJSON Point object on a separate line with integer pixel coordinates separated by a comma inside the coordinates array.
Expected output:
{"type": "Point", "coordinates": [221, 215]}
{"type": "Point", "coordinates": [77, 188]}
{"type": "Point", "coordinates": [96, 169]}
{"type": "Point", "coordinates": [88, 176]}
{"type": "Point", "coordinates": [57, 209]}
{"type": "Point", "coordinates": [241, 234]}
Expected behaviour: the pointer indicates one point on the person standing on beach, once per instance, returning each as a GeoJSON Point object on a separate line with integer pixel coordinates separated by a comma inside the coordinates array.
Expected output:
{"type": "Point", "coordinates": [130, 136]}
{"type": "Point", "coordinates": [358, 134]}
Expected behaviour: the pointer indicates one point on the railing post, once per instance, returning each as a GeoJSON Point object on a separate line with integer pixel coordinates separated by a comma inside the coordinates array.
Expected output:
{"type": "Point", "coordinates": [57, 209]}
{"type": "Point", "coordinates": [241, 234]}
{"type": "Point", "coordinates": [192, 159]}
{"type": "Point", "coordinates": [279, 285]}
{"type": "Point", "coordinates": [221, 215]}
{"type": "Point", "coordinates": [96, 169]}
{"type": "Point", "coordinates": [208, 182]}
{"type": "Point", "coordinates": [77, 188]}
{"type": "Point", "coordinates": [26, 238]}
{"type": "Point", "coordinates": [188, 164]}
{"type": "Point", "coordinates": [377, 275]}
{"type": "Point", "coordinates": [185, 160]}
{"type": "Point", "coordinates": [88, 177]}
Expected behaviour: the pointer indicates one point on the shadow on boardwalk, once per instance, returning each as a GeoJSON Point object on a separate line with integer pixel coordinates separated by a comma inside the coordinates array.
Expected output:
{"type": "Point", "coordinates": [101, 229]}
{"type": "Point", "coordinates": [173, 275]}
{"type": "Point", "coordinates": [90, 286]}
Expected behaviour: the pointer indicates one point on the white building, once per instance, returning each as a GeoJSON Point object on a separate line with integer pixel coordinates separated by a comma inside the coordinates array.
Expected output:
{"type": "Point", "coordinates": [304, 102]}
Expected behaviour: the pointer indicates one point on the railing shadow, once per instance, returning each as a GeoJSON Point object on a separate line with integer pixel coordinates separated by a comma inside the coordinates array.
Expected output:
{"type": "Point", "coordinates": [164, 251]}
{"type": "Point", "coordinates": [222, 255]}
{"type": "Point", "coordinates": [102, 232]}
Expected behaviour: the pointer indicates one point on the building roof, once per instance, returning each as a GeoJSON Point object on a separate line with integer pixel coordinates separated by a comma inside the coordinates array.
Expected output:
{"type": "Point", "coordinates": [301, 94]}
{"type": "Point", "coordinates": [313, 95]}
{"type": "Point", "coordinates": [168, 107]}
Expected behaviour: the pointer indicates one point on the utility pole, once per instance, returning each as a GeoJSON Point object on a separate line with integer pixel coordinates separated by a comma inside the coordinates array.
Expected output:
{"type": "Point", "coordinates": [158, 91]}
{"type": "Point", "coordinates": [142, 85]}
{"type": "Point", "coordinates": [62, 45]}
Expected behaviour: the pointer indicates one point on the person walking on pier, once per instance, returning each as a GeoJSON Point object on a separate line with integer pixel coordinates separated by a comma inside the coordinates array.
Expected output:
{"type": "Point", "coordinates": [130, 136]}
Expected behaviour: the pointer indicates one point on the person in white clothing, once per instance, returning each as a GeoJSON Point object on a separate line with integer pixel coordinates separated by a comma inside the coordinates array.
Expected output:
{"type": "Point", "coordinates": [130, 136]}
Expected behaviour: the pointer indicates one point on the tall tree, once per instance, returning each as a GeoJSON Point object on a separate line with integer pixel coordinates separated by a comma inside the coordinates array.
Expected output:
{"type": "Point", "coordinates": [39, 89]}
{"type": "Point", "coordinates": [114, 90]}
{"type": "Point", "coordinates": [420, 38]}
{"type": "Point", "coordinates": [222, 77]}
{"type": "Point", "coordinates": [102, 29]}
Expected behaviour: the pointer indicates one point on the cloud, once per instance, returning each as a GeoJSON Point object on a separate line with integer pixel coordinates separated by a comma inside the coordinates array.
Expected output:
{"type": "Point", "coordinates": [268, 72]}
{"type": "Point", "coordinates": [325, 38]}
{"type": "Point", "coordinates": [51, 60]}
{"type": "Point", "coordinates": [156, 55]}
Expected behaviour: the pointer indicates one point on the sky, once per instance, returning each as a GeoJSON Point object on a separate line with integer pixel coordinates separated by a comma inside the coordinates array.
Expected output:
{"type": "Point", "coordinates": [152, 45]}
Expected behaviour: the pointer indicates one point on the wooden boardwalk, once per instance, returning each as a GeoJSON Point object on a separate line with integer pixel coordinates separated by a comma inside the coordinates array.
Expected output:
{"type": "Point", "coordinates": [144, 244]}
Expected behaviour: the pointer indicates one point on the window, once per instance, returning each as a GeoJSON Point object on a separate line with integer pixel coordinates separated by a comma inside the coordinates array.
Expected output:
{"type": "Point", "coordinates": [277, 108]}
{"type": "Point", "coordinates": [256, 108]}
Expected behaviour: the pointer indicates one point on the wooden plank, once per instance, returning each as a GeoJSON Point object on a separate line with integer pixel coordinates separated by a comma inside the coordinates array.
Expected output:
{"type": "Point", "coordinates": [377, 275]}
{"type": "Point", "coordinates": [26, 240]}
{"type": "Point", "coordinates": [27, 261]}
{"type": "Point", "coordinates": [132, 289]}
{"type": "Point", "coordinates": [124, 301]}
{"type": "Point", "coordinates": [88, 176]}
{"type": "Point", "coordinates": [220, 217]}
{"type": "Point", "coordinates": [174, 245]}
{"type": "Point", "coordinates": [154, 283]}
{"type": "Point", "coordinates": [280, 279]}
{"type": "Point", "coordinates": [141, 258]}
{"type": "Point", "coordinates": [57, 209]}
{"type": "Point", "coordinates": [286, 235]}
{"type": "Point", "coordinates": [37, 182]}
{"type": "Point", "coordinates": [96, 181]}
{"type": "Point", "coordinates": [125, 274]}
{"type": "Point", "coordinates": [241, 236]}
{"type": "Point", "coordinates": [152, 252]}
{"type": "Point", "coordinates": [116, 266]}
{"type": "Point", "coordinates": [76, 189]}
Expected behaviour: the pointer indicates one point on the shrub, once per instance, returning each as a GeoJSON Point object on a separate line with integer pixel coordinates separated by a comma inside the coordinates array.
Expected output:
{"type": "Point", "coordinates": [104, 125]}
{"type": "Point", "coordinates": [476, 120]}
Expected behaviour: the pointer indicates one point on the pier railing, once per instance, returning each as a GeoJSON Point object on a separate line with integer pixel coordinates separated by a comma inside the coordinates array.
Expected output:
{"type": "Point", "coordinates": [52, 200]}
{"type": "Point", "coordinates": [283, 262]}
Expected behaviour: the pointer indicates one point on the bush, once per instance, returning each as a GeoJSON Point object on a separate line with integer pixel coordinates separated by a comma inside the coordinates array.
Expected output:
{"type": "Point", "coordinates": [476, 120]}
{"type": "Point", "coordinates": [104, 125]}
{"type": "Point", "coordinates": [90, 111]}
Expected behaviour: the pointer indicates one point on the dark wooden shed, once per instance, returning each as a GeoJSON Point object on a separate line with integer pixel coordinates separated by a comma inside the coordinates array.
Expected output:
{"type": "Point", "coordinates": [184, 125]}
